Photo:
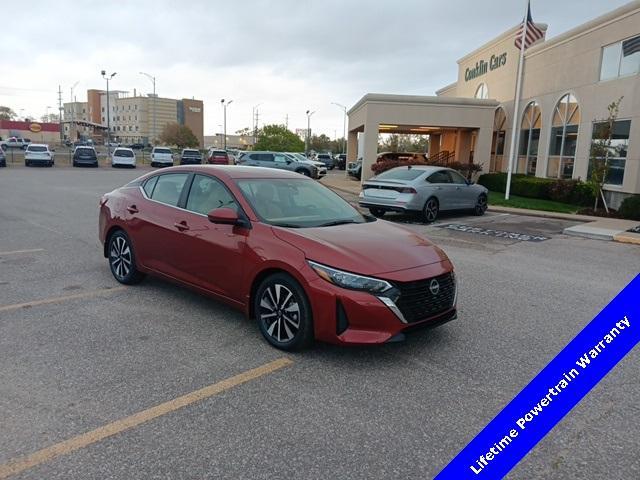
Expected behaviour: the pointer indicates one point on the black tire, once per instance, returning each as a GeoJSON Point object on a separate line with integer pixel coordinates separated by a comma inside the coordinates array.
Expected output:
{"type": "Point", "coordinates": [122, 260]}
{"type": "Point", "coordinates": [272, 300]}
{"type": "Point", "coordinates": [481, 205]}
{"type": "Point", "coordinates": [75, 164]}
{"type": "Point", "coordinates": [430, 210]}
{"type": "Point", "coordinates": [27, 163]}
{"type": "Point", "coordinates": [304, 172]}
{"type": "Point", "coordinates": [377, 212]}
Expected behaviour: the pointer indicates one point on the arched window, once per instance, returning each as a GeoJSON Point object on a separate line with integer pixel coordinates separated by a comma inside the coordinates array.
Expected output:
{"type": "Point", "coordinates": [564, 136]}
{"type": "Point", "coordinates": [497, 142]}
{"type": "Point", "coordinates": [529, 138]}
{"type": "Point", "coordinates": [482, 91]}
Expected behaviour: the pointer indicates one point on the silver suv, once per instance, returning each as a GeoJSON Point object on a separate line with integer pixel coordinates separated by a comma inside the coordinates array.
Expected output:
{"type": "Point", "coordinates": [277, 160]}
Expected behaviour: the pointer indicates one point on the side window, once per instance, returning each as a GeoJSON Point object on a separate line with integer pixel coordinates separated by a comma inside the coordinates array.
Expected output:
{"type": "Point", "coordinates": [279, 158]}
{"type": "Point", "coordinates": [149, 184]}
{"type": "Point", "coordinates": [169, 187]}
{"type": "Point", "coordinates": [265, 157]}
{"type": "Point", "coordinates": [207, 194]}
{"type": "Point", "coordinates": [456, 177]}
{"type": "Point", "coordinates": [439, 177]}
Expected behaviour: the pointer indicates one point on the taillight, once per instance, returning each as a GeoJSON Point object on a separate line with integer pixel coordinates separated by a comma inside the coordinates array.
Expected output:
{"type": "Point", "coordinates": [406, 190]}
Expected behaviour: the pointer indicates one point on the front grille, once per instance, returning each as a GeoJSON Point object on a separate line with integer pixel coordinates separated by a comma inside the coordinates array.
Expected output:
{"type": "Point", "coordinates": [417, 303]}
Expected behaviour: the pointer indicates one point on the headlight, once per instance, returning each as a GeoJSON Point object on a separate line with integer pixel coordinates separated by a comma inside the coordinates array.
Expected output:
{"type": "Point", "coordinates": [350, 280]}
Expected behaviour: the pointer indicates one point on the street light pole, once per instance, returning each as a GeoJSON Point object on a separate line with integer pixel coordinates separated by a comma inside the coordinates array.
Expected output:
{"type": "Point", "coordinates": [73, 110]}
{"type": "Point", "coordinates": [306, 146]}
{"type": "Point", "coordinates": [107, 78]}
{"type": "Point", "coordinates": [344, 125]}
{"type": "Point", "coordinates": [153, 80]}
{"type": "Point", "coordinates": [254, 122]}
{"type": "Point", "coordinates": [224, 107]}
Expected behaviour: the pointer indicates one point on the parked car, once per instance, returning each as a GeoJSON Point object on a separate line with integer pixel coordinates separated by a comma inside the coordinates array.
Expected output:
{"type": "Point", "coordinates": [85, 156]}
{"type": "Point", "coordinates": [83, 143]}
{"type": "Point", "coordinates": [217, 157]}
{"type": "Point", "coordinates": [161, 157]}
{"type": "Point", "coordinates": [139, 146]}
{"type": "Point", "coordinates": [123, 157]}
{"type": "Point", "coordinates": [341, 161]}
{"type": "Point", "coordinates": [113, 144]}
{"type": "Point", "coordinates": [299, 157]}
{"type": "Point", "coordinates": [327, 159]}
{"type": "Point", "coordinates": [15, 142]}
{"type": "Point", "coordinates": [278, 160]}
{"type": "Point", "coordinates": [38, 154]}
{"type": "Point", "coordinates": [401, 156]}
{"type": "Point", "coordinates": [283, 249]}
{"type": "Point", "coordinates": [3, 158]}
{"type": "Point", "coordinates": [354, 169]}
{"type": "Point", "coordinates": [426, 190]}
{"type": "Point", "coordinates": [190, 156]}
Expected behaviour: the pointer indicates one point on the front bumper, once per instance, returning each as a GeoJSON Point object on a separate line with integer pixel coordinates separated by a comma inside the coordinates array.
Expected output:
{"type": "Point", "coordinates": [353, 317]}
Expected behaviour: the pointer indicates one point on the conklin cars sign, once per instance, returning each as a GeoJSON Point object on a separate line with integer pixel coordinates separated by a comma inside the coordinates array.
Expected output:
{"type": "Point", "coordinates": [482, 66]}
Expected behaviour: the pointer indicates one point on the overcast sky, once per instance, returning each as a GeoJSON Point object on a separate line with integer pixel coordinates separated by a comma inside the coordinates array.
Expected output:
{"type": "Point", "coordinates": [287, 55]}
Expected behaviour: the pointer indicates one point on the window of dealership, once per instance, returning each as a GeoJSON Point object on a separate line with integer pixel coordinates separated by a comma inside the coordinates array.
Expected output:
{"type": "Point", "coordinates": [567, 85]}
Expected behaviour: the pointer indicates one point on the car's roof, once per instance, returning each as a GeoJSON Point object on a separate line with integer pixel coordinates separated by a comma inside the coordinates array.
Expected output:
{"type": "Point", "coordinates": [123, 148]}
{"type": "Point", "coordinates": [39, 145]}
{"type": "Point", "coordinates": [237, 171]}
{"type": "Point", "coordinates": [426, 168]}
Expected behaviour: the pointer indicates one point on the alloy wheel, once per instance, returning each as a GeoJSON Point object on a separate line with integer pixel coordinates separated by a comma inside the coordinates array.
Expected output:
{"type": "Point", "coordinates": [481, 205]}
{"type": "Point", "coordinates": [431, 210]}
{"type": "Point", "coordinates": [120, 257]}
{"type": "Point", "coordinates": [279, 313]}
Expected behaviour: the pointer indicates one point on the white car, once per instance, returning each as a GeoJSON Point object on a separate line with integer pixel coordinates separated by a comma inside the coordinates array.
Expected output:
{"type": "Point", "coordinates": [38, 153]}
{"type": "Point", "coordinates": [161, 157]}
{"type": "Point", "coordinates": [123, 157]}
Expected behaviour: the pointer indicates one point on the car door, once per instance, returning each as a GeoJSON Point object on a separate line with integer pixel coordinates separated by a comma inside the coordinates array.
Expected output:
{"type": "Point", "coordinates": [211, 255]}
{"type": "Point", "coordinates": [442, 188]}
{"type": "Point", "coordinates": [265, 160]}
{"type": "Point", "coordinates": [464, 194]}
{"type": "Point", "coordinates": [251, 159]}
{"type": "Point", "coordinates": [154, 221]}
{"type": "Point", "coordinates": [281, 161]}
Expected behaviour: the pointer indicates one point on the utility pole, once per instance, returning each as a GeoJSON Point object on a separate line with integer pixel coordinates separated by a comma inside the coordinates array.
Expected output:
{"type": "Point", "coordinates": [60, 108]}
{"type": "Point", "coordinates": [153, 80]}
{"type": "Point", "coordinates": [344, 125]}
{"type": "Point", "coordinates": [224, 107]}
{"type": "Point", "coordinates": [255, 115]}
{"type": "Point", "coordinates": [73, 110]}
{"type": "Point", "coordinates": [107, 78]}
{"type": "Point", "coordinates": [286, 121]}
{"type": "Point", "coordinates": [306, 146]}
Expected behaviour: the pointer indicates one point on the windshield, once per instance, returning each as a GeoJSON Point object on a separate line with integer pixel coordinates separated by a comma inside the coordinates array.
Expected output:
{"type": "Point", "coordinates": [122, 153]}
{"type": "Point", "coordinates": [299, 157]}
{"type": "Point", "coordinates": [297, 203]}
{"type": "Point", "coordinates": [162, 150]}
{"type": "Point", "coordinates": [402, 173]}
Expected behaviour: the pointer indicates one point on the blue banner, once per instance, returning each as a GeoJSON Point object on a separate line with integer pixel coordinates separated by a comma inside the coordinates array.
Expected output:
{"type": "Point", "coordinates": [553, 392]}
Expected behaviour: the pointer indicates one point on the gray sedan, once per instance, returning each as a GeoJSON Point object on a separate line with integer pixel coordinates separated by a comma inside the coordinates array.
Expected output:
{"type": "Point", "coordinates": [422, 189]}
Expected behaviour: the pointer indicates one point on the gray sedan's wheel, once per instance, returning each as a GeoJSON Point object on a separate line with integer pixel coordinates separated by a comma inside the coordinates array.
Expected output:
{"type": "Point", "coordinates": [122, 260]}
{"type": "Point", "coordinates": [304, 172]}
{"type": "Point", "coordinates": [481, 205]}
{"type": "Point", "coordinates": [283, 312]}
{"type": "Point", "coordinates": [430, 210]}
{"type": "Point", "coordinates": [377, 212]}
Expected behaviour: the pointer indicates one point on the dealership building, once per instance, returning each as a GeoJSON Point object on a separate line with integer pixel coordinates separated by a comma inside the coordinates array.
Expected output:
{"type": "Point", "coordinates": [568, 82]}
{"type": "Point", "coordinates": [132, 118]}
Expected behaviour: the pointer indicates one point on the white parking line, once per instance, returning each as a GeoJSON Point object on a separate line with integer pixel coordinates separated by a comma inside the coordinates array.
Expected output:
{"type": "Point", "coordinates": [15, 252]}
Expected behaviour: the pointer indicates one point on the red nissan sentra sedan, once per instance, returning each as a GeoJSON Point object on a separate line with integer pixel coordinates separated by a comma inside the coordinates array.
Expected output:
{"type": "Point", "coordinates": [281, 247]}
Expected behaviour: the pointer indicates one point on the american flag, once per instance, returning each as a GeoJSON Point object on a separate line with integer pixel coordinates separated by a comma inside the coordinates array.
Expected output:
{"type": "Point", "coordinates": [531, 33]}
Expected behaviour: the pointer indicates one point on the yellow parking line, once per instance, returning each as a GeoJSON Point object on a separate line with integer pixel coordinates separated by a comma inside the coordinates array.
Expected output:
{"type": "Point", "coordinates": [45, 301]}
{"type": "Point", "coordinates": [14, 252]}
{"type": "Point", "coordinates": [18, 465]}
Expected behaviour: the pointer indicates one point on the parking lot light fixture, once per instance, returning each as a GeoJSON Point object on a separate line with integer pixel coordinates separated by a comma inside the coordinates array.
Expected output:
{"type": "Point", "coordinates": [344, 125]}
{"type": "Point", "coordinates": [224, 107]}
{"type": "Point", "coordinates": [308, 136]}
{"type": "Point", "coordinates": [155, 125]}
{"type": "Point", "coordinates": [107, 78]}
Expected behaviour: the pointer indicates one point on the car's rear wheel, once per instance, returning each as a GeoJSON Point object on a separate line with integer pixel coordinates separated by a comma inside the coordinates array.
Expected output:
{"type": "Point", "coordinates": [481, 205]}
{"type": "Point", "coordinates": [283, 312]}
{"type": "Point", "coordinates": [430, 210]}
{"type": "Point", "coordinates": [122, 260]}
{"type": "Point", "coordinates": [377, 212]}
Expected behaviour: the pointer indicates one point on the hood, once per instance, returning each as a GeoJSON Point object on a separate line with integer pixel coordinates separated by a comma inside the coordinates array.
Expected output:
{"type": "Point", "coordinates": [370, 248]}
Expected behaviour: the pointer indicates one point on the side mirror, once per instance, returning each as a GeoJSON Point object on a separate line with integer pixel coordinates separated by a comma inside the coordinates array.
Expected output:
{"type": "Point", "coordinates": [469, 182]}
{"type": "Point", "coordinates": [225, 216]}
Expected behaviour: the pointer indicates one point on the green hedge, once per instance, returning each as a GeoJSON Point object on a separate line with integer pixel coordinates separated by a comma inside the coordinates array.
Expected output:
{"type": "Point", "coordinates": [630, 208]}
{"type": "Point", "coordinates": [568, 191]}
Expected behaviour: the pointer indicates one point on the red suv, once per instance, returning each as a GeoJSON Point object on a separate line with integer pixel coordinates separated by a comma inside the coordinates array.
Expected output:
{"type": "Point", "coordinates": [218, 157]}
{"type": "Point", "coordinates": [282, 248]}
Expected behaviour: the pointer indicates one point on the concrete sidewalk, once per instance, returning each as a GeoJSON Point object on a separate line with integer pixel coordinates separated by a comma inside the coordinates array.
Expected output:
{"type": "Point", "coordinates": [593, 227]}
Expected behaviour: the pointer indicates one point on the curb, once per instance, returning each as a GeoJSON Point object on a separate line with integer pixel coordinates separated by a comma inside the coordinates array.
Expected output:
{"type": "Point", "coordinates": [544, 214]}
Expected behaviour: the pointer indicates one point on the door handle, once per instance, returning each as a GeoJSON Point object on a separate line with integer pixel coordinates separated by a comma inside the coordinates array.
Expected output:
{"type": "Point", "coordinates": [132, 209]}
{"type": "Point", "coordinates": [182, 226]}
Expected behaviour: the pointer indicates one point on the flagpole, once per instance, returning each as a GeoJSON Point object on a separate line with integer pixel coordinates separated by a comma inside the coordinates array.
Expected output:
{"type": "Point", "coordinates": [516, 107]}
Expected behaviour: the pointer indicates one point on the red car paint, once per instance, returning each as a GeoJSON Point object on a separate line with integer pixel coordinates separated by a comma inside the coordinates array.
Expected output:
{"type": "Point", "coordinates": [227, 261]}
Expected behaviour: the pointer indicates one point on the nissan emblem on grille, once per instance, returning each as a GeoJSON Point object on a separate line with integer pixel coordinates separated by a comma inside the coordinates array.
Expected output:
{"type": "Point", "coordinates": [434, 287]}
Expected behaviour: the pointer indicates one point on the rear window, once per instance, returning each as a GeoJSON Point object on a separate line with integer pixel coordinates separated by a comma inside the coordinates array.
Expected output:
{"type": "Point", "coordinates": [86, 151]}
{"type": "Point", "coordinates": [191, 152]}
{"type": "Point", "coordinates": [400, 174]}
{"type": "Point", "coordinates": [162, 150]}
{"type": "Point", "coordinates": [123, 153]}
{"type": "Point", "coordinates": [219, 153]}
{"type": "Point", "coordinates": [324, 155]}
{"type": "Point", "coordinates": [37, 149]}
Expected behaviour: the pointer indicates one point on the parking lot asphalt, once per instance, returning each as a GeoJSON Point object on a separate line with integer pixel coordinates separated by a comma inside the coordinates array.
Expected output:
{"type": "Point", "coordinates": [79, 354]}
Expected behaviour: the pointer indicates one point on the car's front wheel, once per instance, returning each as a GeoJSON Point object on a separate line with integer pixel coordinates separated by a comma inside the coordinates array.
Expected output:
{"type": "Point", "coordinates": [377, 212]}
{"type": "Point", "coordinates": [122, 260]}
{"type": "Point", "coordinates": [430, 210]}
{"type": "Point", "coordinates": [283, 312]}
{"type": "Point", "coordinates": [304, 172]}
{"type": "Point", "coordinates": [481, 205]}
